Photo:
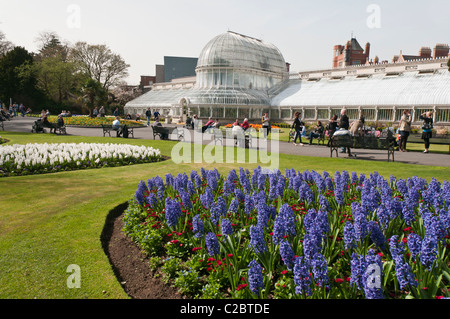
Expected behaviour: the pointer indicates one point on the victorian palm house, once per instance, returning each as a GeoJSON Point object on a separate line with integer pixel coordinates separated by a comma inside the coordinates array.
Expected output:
{"type": "Point", "coordinates": [236, 77]}
{"type": "Point", "coordinates": [242, 77]}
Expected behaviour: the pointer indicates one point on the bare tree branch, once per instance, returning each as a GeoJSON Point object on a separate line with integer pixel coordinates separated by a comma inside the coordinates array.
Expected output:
{"type": "Point", "coordinates": [100, 63]}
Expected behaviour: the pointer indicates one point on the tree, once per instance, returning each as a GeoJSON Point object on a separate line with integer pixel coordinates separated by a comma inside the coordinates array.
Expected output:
{"type": "Point", "coordinates": [57, 79]}
{"type": "Point", "coordinates": [15, 84]}
{"type": "Point", "coordinates": [51, 46]}
{"type": "Point", "coordinates": [92, 94]}
{"type": "Point", "coordinates": [122, 94]}
{"type": "Point", "coordinates": [99, 63]}
{"type": "Point", "coordinates": [56, 76]}
{"type": "Point", "coordinates": [5, 45]}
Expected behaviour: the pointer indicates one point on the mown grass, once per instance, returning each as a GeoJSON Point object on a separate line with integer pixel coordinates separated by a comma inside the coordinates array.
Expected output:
{"type": "Point", "coordinates": [48, 222]}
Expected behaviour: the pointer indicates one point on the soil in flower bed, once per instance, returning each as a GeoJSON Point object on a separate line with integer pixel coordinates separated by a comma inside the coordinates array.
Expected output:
{"type": "Point", "coordinates": [130, 265]}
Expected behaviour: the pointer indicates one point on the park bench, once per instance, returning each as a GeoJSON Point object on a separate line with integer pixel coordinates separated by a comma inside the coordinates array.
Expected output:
{"type": "Point", "coordinates": [130, 130]}
{"type": "Point", "coordinates": [107, 130]}
{"type": "Point", "coordinates": [386, 141]}
{"type": "Point", "coordinates": [39, 127]}
{"type": "Point", "coordinates": [441, 139]}
{"type": "Point", "coordinates": [218, 136]}
{"type": "Point", "coordinates": [320, 139]}
{"type": "Point", "coordinates": [61, 130]}
{"type": "Point", "coordinates": [167, 132]}
{"type": "Point", "coordinates": [247, 139]}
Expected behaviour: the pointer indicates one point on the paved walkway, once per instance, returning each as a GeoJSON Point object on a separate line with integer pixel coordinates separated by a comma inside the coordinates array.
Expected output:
{"type": "Point", "coordinates": [24, 125]}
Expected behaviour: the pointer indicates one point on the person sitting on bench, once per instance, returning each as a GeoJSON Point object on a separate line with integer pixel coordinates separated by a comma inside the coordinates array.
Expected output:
{"type": "Point", "coordinates": [357, 127]}
{"type": "Point", "coordinates": [215, 124]}
{"type": "Point", "coordinates": [116, 126]}
{"type": "Point", "coordinates": [207, 125]}
{"type": "Point", "coordinates": [59, 122]}
{"type": "Point", "coordinates": [164, 136]}
{"type": "Point", "coordinates": [245, 125]}
{"type": "Point", "coordinates": [46, 123]}
{"type": "Point", "coordinates": [318, 132]}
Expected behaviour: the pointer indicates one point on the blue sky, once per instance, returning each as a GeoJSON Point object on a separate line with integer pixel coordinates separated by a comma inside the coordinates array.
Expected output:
{"type": "Point", "coordinates": [143, 32]}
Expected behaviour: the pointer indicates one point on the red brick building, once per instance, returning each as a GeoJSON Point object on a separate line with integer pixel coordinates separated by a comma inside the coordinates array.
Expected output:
{"type": "Point", "coordinates": [350, 54]}
{"type": "Point", "coordinates": [146, 82]}
{"type": "Point", "coordinates": [439, 51]}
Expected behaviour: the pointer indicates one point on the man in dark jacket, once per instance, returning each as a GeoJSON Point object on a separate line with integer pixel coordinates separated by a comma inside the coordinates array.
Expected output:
{"type": "Point", "coordinates": [344, 124]}
{"type": "Point", "coordinates": [148, 114]}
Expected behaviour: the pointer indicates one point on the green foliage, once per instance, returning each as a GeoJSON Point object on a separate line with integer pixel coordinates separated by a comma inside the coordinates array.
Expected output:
{"type": "Point", "coordinates": [154, 262]}
{"type": "Point", "coordinates": [188, 282]}
{"type": "Point", "coordinates": [212, 290]}
{"type": "Point", "coordinates": [284, 288]}
{"type": "Point", "coordinates": [170, 268]}
{"type": "Point", "coordinates": [16, 84]}
{"type": "Point", "coordinates": [60, 76]}
{"type": "Point", "coordinates": [66, 231]}
{"type": "Point", "coordinates": [92, 93]}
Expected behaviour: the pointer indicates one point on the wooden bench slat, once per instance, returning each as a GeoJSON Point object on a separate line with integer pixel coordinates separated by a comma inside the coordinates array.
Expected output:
{"type": "Point", "coordinates": [384, 142]}
{"type": "Point", "coordinates": [167, 131]}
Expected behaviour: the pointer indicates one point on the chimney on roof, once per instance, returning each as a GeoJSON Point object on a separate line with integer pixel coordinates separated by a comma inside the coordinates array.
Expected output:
{"type": "Point", "coordinates": [367, 52]}
{"type": "Point", "coordinates": [441, 50]}
{"type": "Point", "coordinates": [425, 52]}
{"type": "Point", "coordinates": [288, 67]}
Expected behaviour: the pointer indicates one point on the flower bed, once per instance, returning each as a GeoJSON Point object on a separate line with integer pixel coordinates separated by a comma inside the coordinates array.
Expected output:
{"type": "Point", "coordinates": [94, 122]}
{"type": "Point", "coordinates": [47, 158]}
{"type": "Point", "coordinates": [298, 235]}
{"type": "Point", "coordinates": [257, 127]}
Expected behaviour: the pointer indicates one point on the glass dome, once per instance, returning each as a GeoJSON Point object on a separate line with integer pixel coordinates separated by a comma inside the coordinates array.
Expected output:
{"type": "Point", "coordinates": [232, 60]}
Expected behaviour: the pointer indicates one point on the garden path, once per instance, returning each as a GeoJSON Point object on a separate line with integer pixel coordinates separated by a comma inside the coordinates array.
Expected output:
{"type": "Point", "coordinates": [20, 124]}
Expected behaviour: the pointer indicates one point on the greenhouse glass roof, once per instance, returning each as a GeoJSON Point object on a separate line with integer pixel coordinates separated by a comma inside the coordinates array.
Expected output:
{"type": "Point", "coordinates": [172, 97]}
{"type": "Point", "coordinates": [408, 88]}
{"type": "Point", "coordinates": [159, 98]}
{"type": "Point", "coordinates": [228, 97]}
{"type": "Point", "coordinates": [238, 51]}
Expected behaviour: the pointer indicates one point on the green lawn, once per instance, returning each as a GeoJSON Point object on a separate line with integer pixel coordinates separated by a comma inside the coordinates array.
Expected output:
{"type": "Point", "coordinates": [48, 222]}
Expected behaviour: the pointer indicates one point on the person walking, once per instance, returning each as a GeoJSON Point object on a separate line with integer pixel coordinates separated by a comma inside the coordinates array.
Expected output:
{"type": "Point", "coordinates": [427, 127]}
{"type": "Point", "coordinates": [297, 127]}
{"type": "Point", "coordinates": [101, 111]}
{"type": "Point", "coordinates": [148, 114]}
{"type": "Point", "coordinates": [404, 130]}
{"type": "Point", "coordinates": [156, 115]}
{"type": "Point", "coordinates": [266, 125]}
